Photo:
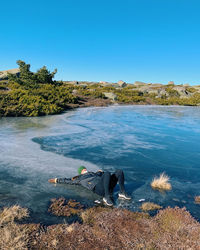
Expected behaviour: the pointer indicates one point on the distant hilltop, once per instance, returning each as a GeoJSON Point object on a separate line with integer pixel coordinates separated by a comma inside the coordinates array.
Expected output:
{"type": "Point", "coordinates": [4, 73]}
{"type": "Point", "coordinates": [157, 90]}
{"type": "Point", "coordinates": [122, 84]}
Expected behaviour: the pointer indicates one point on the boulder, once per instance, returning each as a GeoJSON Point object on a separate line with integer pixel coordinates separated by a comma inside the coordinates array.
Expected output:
{"type": "Point", "coordinates": [110, 96]}
{"type": "Point", "coordinates": [144, 89]}
{"type": "Point", "coordinates": [122, 84]}
{"type": "Point", "coordinates": [162, 92]}
{"type": "Point", "coordinates": [84, 86]}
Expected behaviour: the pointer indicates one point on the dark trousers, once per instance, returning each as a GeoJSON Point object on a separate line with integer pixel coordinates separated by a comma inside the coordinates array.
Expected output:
{"type": "Point", "coordinates": [108, 182]}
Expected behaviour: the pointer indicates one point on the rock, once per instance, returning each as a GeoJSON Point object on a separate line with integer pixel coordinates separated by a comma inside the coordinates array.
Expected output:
{"type": "Point", "coordinates": [144, 89]}
{"type": "Point", "coordinates": [182, 91]}
{"type": "Point", "coordinates": [171, 83]}
{"type": "Point", "coordinates": [105, 84]}
{"type": "Point", "coordinates": [122, 84]}
{"type": "Point", "coordinates": [110, 96]}
{"type": "Point", "coordinates": [162, 92]}
{"type": "Point", "coordinates": [4, 73]}
{"type": "Point", "coordinates": [84, 86]}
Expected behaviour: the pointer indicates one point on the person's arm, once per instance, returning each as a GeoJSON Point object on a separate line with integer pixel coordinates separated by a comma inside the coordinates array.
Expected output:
{"type": "Point", "coordinates": [64, 180]}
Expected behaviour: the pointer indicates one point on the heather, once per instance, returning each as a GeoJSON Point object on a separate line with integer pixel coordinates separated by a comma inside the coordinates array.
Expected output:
{"type": "Point", "coordinates": [103, 228]}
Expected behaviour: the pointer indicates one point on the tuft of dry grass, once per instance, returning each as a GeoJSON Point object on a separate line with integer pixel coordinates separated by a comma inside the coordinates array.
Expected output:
{"type": "Point", "coordinates": [197, 199]}
{"type": "Point", "coordinates": [161, 182]}
{"type": "Point", "coordinates": [148, 206]}
{"type": "Point", "coordinates": [10, 214]}
{"type": "Point", "coordinates": [63, 207]}
{"type": "Point", "coordinates": [12, 235]}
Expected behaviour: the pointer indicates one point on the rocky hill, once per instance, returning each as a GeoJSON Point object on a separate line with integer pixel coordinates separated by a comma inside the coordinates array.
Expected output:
{"type": "Point", "coordinates": [156, 90]}
{"type": "Point", "coordinates": [4, 73]}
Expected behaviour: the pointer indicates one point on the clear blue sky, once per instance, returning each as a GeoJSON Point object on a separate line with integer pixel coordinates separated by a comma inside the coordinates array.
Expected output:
{"type": "Point", "coordinates": [145, 40]}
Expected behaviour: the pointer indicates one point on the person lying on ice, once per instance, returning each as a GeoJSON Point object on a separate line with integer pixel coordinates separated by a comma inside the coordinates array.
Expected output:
{"type": "Point", "coordinates": [101, 183]}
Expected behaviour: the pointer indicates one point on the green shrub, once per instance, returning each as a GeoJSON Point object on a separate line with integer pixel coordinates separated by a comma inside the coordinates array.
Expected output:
{"type": "Point", "coordinates": [44, 99]}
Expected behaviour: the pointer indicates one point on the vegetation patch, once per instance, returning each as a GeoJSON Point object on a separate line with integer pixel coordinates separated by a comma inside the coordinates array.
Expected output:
{"type": "Point", "coordinates": [36, 93]}
{"type": "Point", "coordinates": [149, 206]}
{"type": "Point", "coordinates": [197, 199]}
{"type": "Point", "coordinates": [102, 228]}
{"type": "Point", "coordinates": [13, 235]}
{"type": "Point", "coordinates": [62, 207]}
{"type": "Point", "coordinates": [161, 182]}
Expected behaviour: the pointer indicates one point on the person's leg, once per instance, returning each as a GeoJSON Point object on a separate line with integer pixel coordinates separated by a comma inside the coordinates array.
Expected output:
{"type": "Point", "coordinates": [108, 182]}
{"type": "Point", "coordinates": [102, 188]}
{"type": "Point", "coordinates": [119, 176]}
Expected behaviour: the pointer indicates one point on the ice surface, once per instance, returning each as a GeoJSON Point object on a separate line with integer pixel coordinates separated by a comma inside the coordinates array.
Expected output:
{"type": "Point", "coordinates": [142, 140]}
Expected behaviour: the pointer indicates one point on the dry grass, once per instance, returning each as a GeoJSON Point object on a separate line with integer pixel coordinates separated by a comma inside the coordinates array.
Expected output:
{"type": "Point", "coordinates": [161, 182]}
{"type": "Point", "coordinates": [12, 235]}
{"type": "Point", "coordinates": [171, 228]}
{"type": "Point", "coordinates": [148, 206]}
{"type": "Point", "coordinates": [89, 215]}
{"type": "Point", "coordinates": [11, 214]}
{"type": "Point", "coordinates": [197, 199]}
{"type": "Point", "coordinates": [103, 228]}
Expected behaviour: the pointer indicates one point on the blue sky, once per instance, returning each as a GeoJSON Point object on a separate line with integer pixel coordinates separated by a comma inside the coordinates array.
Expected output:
{"type": "Point", "coordinates": [144, 40]}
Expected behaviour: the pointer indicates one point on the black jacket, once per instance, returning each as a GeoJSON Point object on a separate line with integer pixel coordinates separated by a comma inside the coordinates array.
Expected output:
{"type": "Point", "coordinates": [88, 180]}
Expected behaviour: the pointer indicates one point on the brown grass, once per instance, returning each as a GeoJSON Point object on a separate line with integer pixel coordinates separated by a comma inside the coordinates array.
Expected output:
{"type": "Point", "coordinates": [161, 182]}
{"type": "Point", "coordinates": [12, 235]}
{"type": "Point", "coordinates": [63, 207]}
{"type": "Point", "coordinates": [148, 206]}
{"type": "Point", "coordinates": [103, 228]}
{"type": "Point", "coordinates": [171, 228]}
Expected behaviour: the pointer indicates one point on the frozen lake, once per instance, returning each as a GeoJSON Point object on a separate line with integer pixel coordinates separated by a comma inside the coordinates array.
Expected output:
{"type": "Point", "coordinates": [142, 140]}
